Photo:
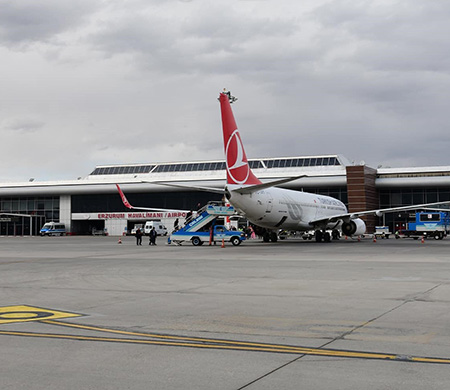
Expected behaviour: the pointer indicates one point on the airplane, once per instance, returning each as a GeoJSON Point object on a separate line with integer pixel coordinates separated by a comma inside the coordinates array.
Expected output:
{"type": "Point", "coordinates": [272, 208]}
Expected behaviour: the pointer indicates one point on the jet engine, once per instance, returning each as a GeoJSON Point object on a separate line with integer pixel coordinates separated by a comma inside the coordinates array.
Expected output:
{"type": "Point", "coordinates": [354, 227]}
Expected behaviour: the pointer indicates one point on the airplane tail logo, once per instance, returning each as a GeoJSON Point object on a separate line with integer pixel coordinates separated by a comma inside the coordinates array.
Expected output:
{"type": "Point", "coordinates": [124, 198]}
{"type": "Point", "coordinates": [238, 170]}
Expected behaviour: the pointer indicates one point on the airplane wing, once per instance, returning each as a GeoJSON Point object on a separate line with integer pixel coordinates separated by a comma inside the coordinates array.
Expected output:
{"type": "Point", "coordinates": [378, 213]}
{"type": "Point", "coordinates": [242, 190]}
{"type": "Point", "coordinates": [129, 206]}
{"type": "Point", "coordinates": [187, 186]}
{"type": "Point", "coordinates": [436, 209]}
{"type": "Point", "coordinates": [257, 187]}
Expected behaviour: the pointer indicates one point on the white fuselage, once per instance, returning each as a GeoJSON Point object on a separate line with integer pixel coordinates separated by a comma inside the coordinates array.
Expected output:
{"type": "Point", "coordinates": [286, 209]}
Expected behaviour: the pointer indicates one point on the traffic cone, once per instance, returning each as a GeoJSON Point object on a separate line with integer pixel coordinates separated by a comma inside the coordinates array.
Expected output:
{"type": "Point", "coordinates": [374, 238]}
{"type": "Point", "coordinates": [120, 241]}
{"type": "Point", "coordinates": [423, 240]}
{"type": "Point", "coordinates": [359, 238]}
{"type": "Point", "coordinates": [223, 243]}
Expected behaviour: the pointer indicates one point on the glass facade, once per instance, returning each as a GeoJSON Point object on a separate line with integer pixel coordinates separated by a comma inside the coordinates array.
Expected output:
{"type": "Point", "coordinates": [43, 206]}
{"type": "Point", "coordinates": [301, 162]}
{"type": "Point", "coordinates": [192, 167]}
{"type": "Point", "coordinates": [41, 209]}
{"type": "Point", "coordinates": [217, 166]}
{"type": "Point", "coordinates": [120, 170]}
{"type": "Point", "coordinates": [406, 197]}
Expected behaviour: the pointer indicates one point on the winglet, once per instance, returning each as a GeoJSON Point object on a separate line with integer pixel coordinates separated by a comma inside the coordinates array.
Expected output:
{"type": "Point", "coordinates": [238, 169]}
{"type": "Point", "coordinates": [124, 198]}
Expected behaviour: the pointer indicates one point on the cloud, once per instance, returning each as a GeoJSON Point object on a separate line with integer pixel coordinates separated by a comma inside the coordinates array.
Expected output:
{"type": "Point", "coordinates": [27, 21]}
{"type": "Point", "coordinates": [390, 36]}
{"type": "Point", "coordinates": [22, 125]}
{"type": "Point", "coordinates": [199, 38]}
{"type": "Point", "coordinates": [137, 81]}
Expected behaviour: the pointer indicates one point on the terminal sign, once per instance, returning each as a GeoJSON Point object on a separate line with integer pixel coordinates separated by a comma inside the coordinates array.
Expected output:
{"type": "Point", "coordinates": [144, 215]}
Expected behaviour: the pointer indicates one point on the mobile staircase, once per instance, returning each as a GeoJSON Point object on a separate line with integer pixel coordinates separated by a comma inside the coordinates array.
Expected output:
{"type": "Point", "coordinates": [195, 228]}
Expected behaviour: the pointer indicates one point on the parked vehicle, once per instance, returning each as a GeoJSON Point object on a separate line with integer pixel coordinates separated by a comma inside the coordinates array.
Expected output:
{"type": "Point", "coordinates": [283, 234]}
{"type": "Point", "coordinates": [135, 228]}
{"type": "Point", "coordinates": [308, 235]}
{"type": "Point", "coordinates": [53, 229]}
{"type": "Point", "coordinates": [160, 228]}
{"type": "Point", "coordinates": [198, 230]}
{"type": "Point", "coordinates": [428, 224]}
{"type": "Point", "coordinates": [382, 232]}
{"type": "Point", "coordinates": [219, 233]}
{"type": "Point", "coordinates": [99, 232]}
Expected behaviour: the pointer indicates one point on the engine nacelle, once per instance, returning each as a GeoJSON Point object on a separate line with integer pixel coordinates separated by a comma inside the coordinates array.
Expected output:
{"type": "Point", "coordinates": [355, 227]}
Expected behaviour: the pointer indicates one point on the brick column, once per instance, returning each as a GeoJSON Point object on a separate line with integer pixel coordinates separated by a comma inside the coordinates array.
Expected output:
{"type": "Point", "coordinates": [362, 194]}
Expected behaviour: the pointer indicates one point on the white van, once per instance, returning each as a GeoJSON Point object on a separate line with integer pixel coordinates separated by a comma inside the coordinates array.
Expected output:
{"type": "Point", "coordinates": [136, 227]}
{"type": "Point", "coordinates": [53, 229]}
{"type": "Point", "coordinates": [161, 230]}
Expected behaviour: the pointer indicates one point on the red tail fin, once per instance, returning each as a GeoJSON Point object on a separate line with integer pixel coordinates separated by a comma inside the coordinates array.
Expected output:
{"type": "Point", "coordinates": [238, 170]}
{"type": "Point", "coordinates": [124, 198]}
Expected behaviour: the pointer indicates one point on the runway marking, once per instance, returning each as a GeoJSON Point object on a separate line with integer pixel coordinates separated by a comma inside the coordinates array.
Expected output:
{"type": "Point", "coordinates": [24, 313]}
{"type": "Point", "coordinates": [46, 316]}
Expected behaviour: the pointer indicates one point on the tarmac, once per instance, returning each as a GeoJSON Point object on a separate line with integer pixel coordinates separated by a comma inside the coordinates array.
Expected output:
{"type": "Point", "coordinates": [89, 313]}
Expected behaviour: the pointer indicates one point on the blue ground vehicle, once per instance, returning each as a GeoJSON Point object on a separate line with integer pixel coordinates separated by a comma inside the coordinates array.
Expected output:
{"type": "Point", "coordinates": [53, 229]}
{"type": "Point", "coordinates": [429, 224]}
{"type": "Point", "coordinates": [203, 229]}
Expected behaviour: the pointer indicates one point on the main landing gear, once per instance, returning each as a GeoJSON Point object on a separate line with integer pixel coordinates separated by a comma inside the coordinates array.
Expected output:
{"type": "Point", "coordinates": [322, 235]}
{"type": "Point", "coordinates": [325, 236]}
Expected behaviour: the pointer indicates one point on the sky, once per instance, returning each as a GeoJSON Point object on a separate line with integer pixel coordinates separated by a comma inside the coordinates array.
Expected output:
{"type": "Point", "coordinates": [94, 82]}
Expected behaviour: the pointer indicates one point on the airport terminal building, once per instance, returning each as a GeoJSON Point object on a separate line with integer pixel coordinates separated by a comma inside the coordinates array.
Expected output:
{"type": "Point", "coordinates": [91, 204]}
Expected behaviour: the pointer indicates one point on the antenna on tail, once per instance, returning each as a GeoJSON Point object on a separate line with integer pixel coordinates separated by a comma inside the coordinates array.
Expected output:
{"type": "Point", "coordinates": [231, 98]}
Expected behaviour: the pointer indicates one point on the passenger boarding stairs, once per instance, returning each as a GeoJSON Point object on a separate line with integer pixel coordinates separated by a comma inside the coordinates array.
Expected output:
{"type": "Point", "coordinates": [205, 215]}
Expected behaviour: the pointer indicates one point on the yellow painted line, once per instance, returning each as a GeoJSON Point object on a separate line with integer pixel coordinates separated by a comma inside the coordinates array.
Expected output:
{"type": "Point", "coordinates": [165, 337]}
{"type": "Point", "coordinates": [429, 360]}
{"type": "Point", "coordinates": [194, 342]}
{"type": "Point", "coordinates": [24, 313]}
{"type": "Point", "coordinates": [152, 342]}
